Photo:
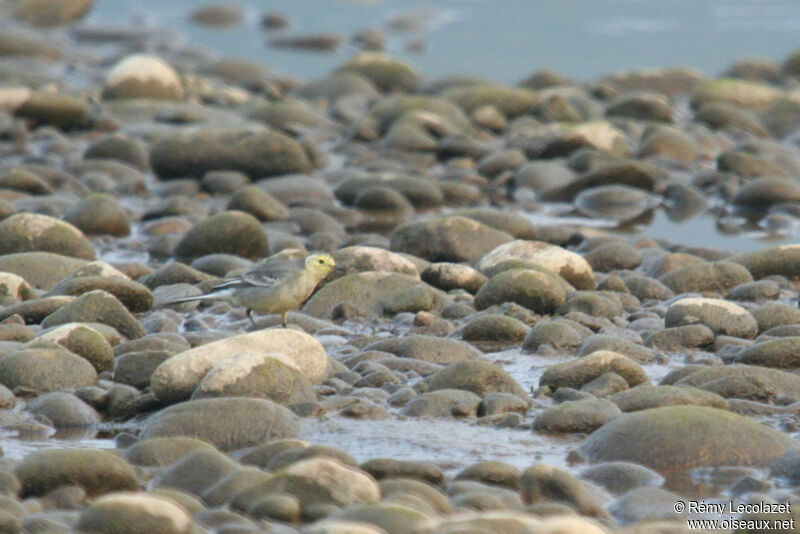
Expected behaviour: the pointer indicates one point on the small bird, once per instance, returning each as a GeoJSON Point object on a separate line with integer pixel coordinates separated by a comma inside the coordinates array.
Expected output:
{"type": "Point", "coordinates": [276, 285]}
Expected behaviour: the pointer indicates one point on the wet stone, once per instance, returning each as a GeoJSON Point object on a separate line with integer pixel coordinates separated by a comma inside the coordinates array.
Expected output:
{"type": "Point", "coordinates": [681, 337]}
{"type": "Point", "coordinates": [558, 334]}
{"type": "Point", "coordinates": [722, 317]}
{"type": "Point", "coordinates": [620, 477]}
{"type": "Point", "coordinates": [775, 314]}
{"type": "Point", "coordinates": [586, 368]}
{"type": "Point", "coordinates": [575, 416]}
{"type": "Point", "coordinates": [616, 344]}
{"type": "Point", "coordinates": [495, 330]}
{"type": "Point", "coordinates": [443, 403]}
{"type": "Point", "coordinates": [745, 442]}
{"type": "Point", "coordinates": [644, 397]}
{"type": "Point", "coordinates": [479, 377]}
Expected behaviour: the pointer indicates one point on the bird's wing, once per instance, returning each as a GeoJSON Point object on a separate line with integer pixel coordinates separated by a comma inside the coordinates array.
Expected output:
{"type": "Point", "coordinates": [265, 274]}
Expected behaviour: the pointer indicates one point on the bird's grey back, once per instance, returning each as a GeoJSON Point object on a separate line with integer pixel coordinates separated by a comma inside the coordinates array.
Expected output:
{"type": "Point", "coordinates": [265, 274]}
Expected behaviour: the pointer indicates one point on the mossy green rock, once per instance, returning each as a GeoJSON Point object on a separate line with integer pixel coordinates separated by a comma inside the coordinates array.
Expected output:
{"type": "Point", "coordinates": [159, 452]}
{"type": "Point", "coordinates": [197, 471]}
{"type": "Point", "coordinates": [479, 377]}
{"type": "Point", "coordinates": [97, 306]}
{"type": "Point", "coordinates": [386, 112]}
{"type": "Point", "coordinates": [743, 93]}
{"type": "Point", "coordinates": [721, 316]}
{"type": "Point", "coordinates": [315, 481]}
{"type": "Point", "coordinates": [646, 396]}
{"type": "Point", "coordinates": [25, 181]}
{"type": "Point", "coordinates": [558, 334]}
{"type": "Point", "coordinates": [257, 202]}
{"type": "Point", "coordinates": [720, 276]}
{"type": "Point", "coordinates": [84, 341]}
{"type": "Point", "coordinates": [783, 260]}
{"type": "Point", "coordinates": [229, 232]}
{"type": "Point", "coordinates": [782, 353]}
{"type": "Point", "coordinates": [284, 113]}
{"type": "Point", "coordinates": [418, 131]}
{"type": "Point", "coordinates": [537, 291]}
{"type": "Point", "coordinates": [99, 214]}
{"type": "Point", "coordinates": [14, 288]}
{"type": "Point", "coordinates": [782, 118]}
{"type": "Point", "coordinates": [258, 376]}
{"type": "Point", "coordinates": [55, 109]}
{"type": "Point", "coordinates": [386, 468]}
{"type": "Point", "coordinates": [510, 101]}
{"type": "Point", "coordinates": [507, 221]}
{"type": "Point", "coordinates": [429, 493]}
{"type": "Point", "coordinates": [135, 368]}
{"type": "Point", "coordinates": [29, 232]}
{"type": "Point", "coordinates": [671, 143]}
{"type": "Point", "coordinates": [634, 351]}
{"type": "Point", "coordinates": [721, 115]}
{"type": "Point", "coordinates": [375, 294]}
{"type": "Point", "coordinates": [63, 410]}
{"type": "Point", "coordinates": [678, 438]}
{"type": "Point", "coordinates": [35, 310]}
{"type": "Point", "coordinates": [177, 377]}
{"type": "Point", "coordinates": [456, 403]}
{"type": "Point", "coordinates": [580, 371]}
{"type": "Point", "coordinates": [641, 106]}
{"type": "Point", "coordinates": [494, 330]}
{"type": "Point", "coordinates": [762, 193]}
{"type": "Point", "coordinates": [677, 338]}
{"type": "Point", "coordinates": [255, 153]}
{"type": "Point", "coordinates": [387, 73]}
{"type": "Point", "coordinates": [228, 423]}
{"type": "Point", "coordinates": [576, 416]}
{"type": "Point", "coordinates": [96, 471]}
{"type": "Point", "coordinates": [616, 172]}
{"type": "Point", "coordinates": [597, 135]}
{"type": "Point", "coordinates": [546, 483]}
{"type": "Point", "coordinates": [568, 265]}
{"type": "Point", "coordinates": [336, 85]}
{"type": "Point", "coordinates": [744, 381]}
{"type": "Point", "coordinates": [452, 239]}
{"type": "Point", "coordinates": [130, 150]}
{"type": "Point", "coordinates": [594, 303]}
{"type": "Point", "coordinates": [40, 269]}
{"type": "Point", "coordinates": [135, 296]}
{"type": "Point", "coordinates": [46, 368]}
{"type": "Point", "coordinates": [134, 513]}
{"type": "Point", "coordinates": [358, 258]}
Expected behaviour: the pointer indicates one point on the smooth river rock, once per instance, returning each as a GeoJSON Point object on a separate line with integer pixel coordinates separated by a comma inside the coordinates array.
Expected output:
{"type": "Point", "coordinates": [176, 378]}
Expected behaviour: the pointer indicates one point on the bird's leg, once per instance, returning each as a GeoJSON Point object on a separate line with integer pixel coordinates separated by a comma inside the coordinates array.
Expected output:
{"type": "Point", "coordinates": [250, 316]}
{"type": "Point", "coordinates": [284, 318]}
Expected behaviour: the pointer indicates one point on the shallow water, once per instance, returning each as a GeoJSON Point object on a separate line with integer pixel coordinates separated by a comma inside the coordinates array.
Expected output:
{"type": "Point", "coordinates": [503, 40]}
{"type": "Point", "coordinates": [452, 445]}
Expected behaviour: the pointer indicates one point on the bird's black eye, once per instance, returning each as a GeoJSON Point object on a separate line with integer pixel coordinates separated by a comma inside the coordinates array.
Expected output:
{"type": "Point", "coordinates": [321, 261]}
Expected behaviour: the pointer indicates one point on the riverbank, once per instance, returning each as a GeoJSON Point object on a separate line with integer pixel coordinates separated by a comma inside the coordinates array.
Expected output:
{"type": "Point", "coordinates": [525, 333]}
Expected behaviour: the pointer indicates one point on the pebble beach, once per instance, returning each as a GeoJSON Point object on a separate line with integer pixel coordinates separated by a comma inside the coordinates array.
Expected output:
{"type": "Point", "coordinates": [560, 306]}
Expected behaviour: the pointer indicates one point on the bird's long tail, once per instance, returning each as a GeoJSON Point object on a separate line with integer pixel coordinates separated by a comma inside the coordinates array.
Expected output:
{"type": "Point", "coordinates": [214, 295]}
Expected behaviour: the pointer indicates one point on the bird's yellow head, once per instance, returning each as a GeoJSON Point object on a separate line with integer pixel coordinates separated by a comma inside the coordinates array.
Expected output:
{"type": "Point", "coordinates": [320, 264]}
